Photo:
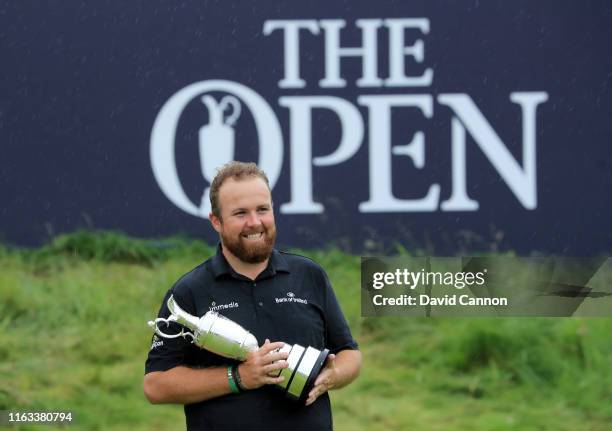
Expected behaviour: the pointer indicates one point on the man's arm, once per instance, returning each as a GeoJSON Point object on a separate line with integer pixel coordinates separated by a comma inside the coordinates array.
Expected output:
{"type": "Point", "coordinates": [340, 370]}
{"type": "Point", "coordinates": [184, 385]}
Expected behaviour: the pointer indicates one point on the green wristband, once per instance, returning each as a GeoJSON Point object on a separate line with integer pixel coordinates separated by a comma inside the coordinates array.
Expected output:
{"type": "Point", "coordinates": [237, 378]}
{"type": "Point", "coordinates": [232, 383]}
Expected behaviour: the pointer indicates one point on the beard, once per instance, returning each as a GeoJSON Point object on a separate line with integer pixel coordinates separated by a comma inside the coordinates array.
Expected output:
{"type": "Point", "coordinates": [251, 253]}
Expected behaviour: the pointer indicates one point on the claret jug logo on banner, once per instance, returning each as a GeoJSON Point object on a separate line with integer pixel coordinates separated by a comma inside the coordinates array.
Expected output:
{"type": "Point", "coordinates": [225, 101]}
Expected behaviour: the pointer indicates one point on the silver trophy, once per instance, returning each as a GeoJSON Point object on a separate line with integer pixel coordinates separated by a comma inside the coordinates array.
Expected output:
{"type": "Point", "coordinates": [220, 335]}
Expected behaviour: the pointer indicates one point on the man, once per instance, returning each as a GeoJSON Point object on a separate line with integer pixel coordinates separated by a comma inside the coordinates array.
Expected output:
{"type": "Point", "coordinates": [276, 296]}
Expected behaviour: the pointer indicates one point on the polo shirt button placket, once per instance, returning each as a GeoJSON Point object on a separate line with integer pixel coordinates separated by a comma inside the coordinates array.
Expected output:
{"type": "Point", "coordinates": [259, 303]}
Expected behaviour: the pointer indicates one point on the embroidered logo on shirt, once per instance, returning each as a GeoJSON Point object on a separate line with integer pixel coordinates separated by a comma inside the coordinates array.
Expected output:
{"type": "Point", "coordinates": [215, 307]}
{"type": "Point", "coordinates": [291, 298]}
{"type": "Point", "coordinates": [156, 342]}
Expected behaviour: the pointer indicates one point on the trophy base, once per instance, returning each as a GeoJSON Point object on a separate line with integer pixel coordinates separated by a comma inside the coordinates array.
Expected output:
{"type": "Point", "coordinates": [304, 367]}
{"type": "Point", "coordinates": [314, 373]}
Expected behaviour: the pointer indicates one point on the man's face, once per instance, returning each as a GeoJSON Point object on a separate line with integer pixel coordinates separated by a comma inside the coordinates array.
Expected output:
{"type": "Point", "coordinates": [246, 225]}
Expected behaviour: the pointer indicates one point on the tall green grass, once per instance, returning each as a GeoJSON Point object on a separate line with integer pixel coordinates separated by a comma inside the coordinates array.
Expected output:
{"type": "Point", "coordinates": [73, 336]}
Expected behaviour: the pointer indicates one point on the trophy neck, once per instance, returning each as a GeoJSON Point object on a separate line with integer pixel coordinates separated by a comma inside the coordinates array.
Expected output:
{"type": "Point", "coordinates": [182, 316]}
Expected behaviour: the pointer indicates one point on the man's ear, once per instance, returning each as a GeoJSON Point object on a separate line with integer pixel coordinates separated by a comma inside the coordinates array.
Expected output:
{"type": "Point", "coordinates": [215, 221]}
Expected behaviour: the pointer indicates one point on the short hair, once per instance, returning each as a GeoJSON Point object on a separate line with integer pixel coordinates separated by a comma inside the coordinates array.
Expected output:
{"type": "Point", "coordinates": [238, 171]}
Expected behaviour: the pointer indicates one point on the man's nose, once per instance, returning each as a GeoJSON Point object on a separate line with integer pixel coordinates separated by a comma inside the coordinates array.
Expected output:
{"type": "Point", "coordinates": [253, 219]}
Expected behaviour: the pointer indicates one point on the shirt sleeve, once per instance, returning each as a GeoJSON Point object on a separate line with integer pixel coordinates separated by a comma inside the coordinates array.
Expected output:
{"type": "Point", "coordinates": [167, 353]}
{"type": "Point", "coordinates": [337, 332]}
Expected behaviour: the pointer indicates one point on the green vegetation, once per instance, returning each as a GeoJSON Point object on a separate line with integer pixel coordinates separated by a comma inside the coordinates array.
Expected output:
{"type": "Point", "coordinates": [73, 336]}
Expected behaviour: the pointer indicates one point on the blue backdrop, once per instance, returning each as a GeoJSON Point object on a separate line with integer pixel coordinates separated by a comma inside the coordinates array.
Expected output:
{"type": "Point", "coordinates": [446, 125]}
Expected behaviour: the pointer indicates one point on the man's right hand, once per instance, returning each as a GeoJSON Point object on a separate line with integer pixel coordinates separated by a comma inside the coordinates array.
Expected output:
{"type": "Point", "coordinates": [260, 366]}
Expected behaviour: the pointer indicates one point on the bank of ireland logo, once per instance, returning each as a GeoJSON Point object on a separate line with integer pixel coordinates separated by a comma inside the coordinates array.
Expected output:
{"type": "Point", "coordinates": [216, 138]}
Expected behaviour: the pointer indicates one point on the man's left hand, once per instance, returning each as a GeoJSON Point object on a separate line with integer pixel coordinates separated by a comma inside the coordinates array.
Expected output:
{"type": "Point", "coordinates": [325, 381]}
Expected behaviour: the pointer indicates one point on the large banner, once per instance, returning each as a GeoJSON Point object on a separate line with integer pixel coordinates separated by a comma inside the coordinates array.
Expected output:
{"type": "Point", "coordinates": [445, 126]}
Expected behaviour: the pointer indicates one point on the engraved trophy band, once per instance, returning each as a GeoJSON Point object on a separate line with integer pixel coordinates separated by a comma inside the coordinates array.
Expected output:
{"type": "Point", "coordinates": [220, 335]}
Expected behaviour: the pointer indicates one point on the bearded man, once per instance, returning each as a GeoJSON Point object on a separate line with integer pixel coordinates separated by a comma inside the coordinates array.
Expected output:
{"type": "Point", "coordinates": [250, 282]}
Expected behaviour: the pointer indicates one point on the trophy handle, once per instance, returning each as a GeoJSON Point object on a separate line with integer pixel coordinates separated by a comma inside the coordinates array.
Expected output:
{"type": "Point", "coordinates": [172, 318]}
{"type": "Point", "coordinates": [235, 113]}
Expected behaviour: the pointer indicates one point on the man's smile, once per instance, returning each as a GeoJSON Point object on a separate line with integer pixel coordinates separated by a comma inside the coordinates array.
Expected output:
{"type": "Point", "coordinates": [253, 236]}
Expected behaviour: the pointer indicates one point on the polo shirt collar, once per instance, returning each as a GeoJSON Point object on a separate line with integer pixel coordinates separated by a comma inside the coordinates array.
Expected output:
{"type": "Point", "coordinates": [220, 265]}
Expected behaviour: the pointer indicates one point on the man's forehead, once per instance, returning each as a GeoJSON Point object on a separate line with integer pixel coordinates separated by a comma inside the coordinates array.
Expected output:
{"type": "Point", "coordinates": [253, 191]}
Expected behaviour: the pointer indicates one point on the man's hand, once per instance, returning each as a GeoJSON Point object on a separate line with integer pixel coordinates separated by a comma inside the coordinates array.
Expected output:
{"type": "Point", "coordinates": [325, 381]}
{"type": "Point", "coordinates": [339, 371]}
{"type": "Point", "coordinates": [260, 366]}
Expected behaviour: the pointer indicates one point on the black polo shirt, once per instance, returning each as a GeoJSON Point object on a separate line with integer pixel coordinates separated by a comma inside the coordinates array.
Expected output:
{"type": "Point", "coordinates": [291, 301]}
